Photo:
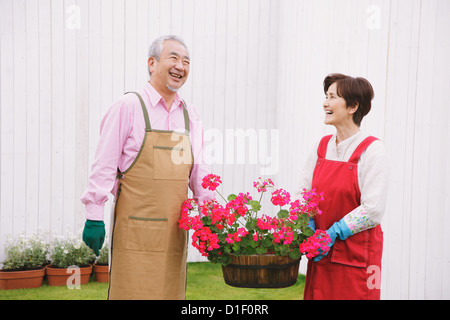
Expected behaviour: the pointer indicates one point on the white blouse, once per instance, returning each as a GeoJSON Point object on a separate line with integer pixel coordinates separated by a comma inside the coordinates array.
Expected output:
{"type": "Point", "coordinates": [372, 178]}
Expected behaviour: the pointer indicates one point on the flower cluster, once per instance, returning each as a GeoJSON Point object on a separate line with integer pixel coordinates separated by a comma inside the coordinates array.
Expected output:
{"type": "Point", "coordinates": [25, 252]}
{"type": "Point", "coordinates": [205, 240]}
{"type": "Point", "coordinates": [211, 182]}
{"type": "Point", "coordinates": [311, 201]}
{"type": "Point", "coordinates": [236, 228]}
{"type": "Point", "coordinates": [187, 222]}
{"type": "Point", "coordinates": [280, 197]}
{"type": "Point", "coordinates": [70, 250]}
{"type": "Point", "coordinates": [316, 244]}
{"type": "Point", "coordinates": [239, 204]}
{"type": "Point", "coordinates": [262, 185]}
{"type": "Point", "coordinates": [284, 235]}
{"type": "Point", "coordinates": [267, 223]}
{"type": "Point", "coordinates": [236, 237]}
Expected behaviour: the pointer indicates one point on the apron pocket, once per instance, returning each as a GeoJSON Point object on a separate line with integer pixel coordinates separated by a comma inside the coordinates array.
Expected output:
{"type": "Point", "coordinates": [353, 251]}
{"type": "Point", "coordinates": [146, 234]}
{"type": "Point", "coordinates": [171, 163]}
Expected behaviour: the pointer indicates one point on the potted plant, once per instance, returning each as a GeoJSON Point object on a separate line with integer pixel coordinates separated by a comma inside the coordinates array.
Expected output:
{"type": "Point", "coordinates": [255, 250]}
{"type": "Point", "coordinates": [69, 255]}
{"type": "Point", "coordinates": [101, 265]}
{"type": "Point", "coordinates": [24, 263]}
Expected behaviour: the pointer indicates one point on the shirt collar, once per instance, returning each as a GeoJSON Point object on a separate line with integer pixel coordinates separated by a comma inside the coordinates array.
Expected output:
{"type": "Point", "coordinates": [156, 98]}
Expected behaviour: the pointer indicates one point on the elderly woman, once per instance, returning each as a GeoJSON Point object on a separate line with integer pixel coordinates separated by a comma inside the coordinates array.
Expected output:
{"type": "Point", "coordinates": [349, 167]}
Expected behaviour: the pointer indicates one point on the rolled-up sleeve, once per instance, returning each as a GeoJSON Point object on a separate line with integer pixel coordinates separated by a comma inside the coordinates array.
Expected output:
{"type": "Point", "coordinates": [114, 130]}
{"type": "Point", "coordinates": [200, 167]}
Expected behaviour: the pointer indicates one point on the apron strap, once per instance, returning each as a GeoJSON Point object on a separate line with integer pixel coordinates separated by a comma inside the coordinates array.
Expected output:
{"type": "Point", "coordinates": [144, 110]}
{"type": "Point", "coordinates": [361, 148]}
{"type": "Point", "coordinates": [147, 121]}
{"type": "Point", "coordinates": [186, 117]}
{"type": "Point", "coordinates": [322, 149]}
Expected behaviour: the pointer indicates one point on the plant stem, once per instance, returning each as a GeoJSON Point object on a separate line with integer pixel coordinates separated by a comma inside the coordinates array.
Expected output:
{"type": "Point", "coordinates": [221, 196]}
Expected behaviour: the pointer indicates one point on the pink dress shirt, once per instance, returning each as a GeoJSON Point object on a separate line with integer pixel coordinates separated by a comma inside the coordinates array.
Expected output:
{"type": "Point", "coordinates": [121, 134]}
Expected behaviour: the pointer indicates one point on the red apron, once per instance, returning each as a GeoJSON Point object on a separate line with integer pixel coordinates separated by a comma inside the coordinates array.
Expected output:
{"type": "Point", "coordinates": [343, 273]}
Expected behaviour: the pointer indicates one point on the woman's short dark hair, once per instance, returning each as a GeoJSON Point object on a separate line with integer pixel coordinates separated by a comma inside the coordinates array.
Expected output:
{"type": "Point", "coordinates": [353, 90]}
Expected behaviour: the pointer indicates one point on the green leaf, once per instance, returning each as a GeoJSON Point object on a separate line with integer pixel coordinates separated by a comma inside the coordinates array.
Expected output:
{"type": "Point", "coordinates": [250, 225]}
{"type": "Point", "coordinates": [295, 254]}
{"type": "Point", "coordinates": [231, 197]}
{"type": "Point", "coordinates": [256, 206]}
{"type": "Point", "coordinates": [283, 214]}
{"type": "Point", "coordinates": [308, 232]}
{"type": "Point", "coordinates": [261, 250]}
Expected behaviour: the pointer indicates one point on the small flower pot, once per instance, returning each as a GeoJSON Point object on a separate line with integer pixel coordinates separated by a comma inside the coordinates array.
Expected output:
{"type": "Point", "coordinates": [60, 276]}
{"type": "Point", "coordinates": [21, 279]}
{"type": "Point", "coordinates": [101, 273]}
{"type": "Point", "coordinates": [261, 271]}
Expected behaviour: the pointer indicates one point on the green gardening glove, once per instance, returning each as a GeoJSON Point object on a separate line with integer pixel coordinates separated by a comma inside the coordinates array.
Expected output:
{"type": "Point", "coordinates": [94, 235]}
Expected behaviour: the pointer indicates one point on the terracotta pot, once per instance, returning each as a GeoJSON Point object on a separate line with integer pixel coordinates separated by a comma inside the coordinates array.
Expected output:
{"type": "Point", "coordinates": [101, 273]}
{"type": "Point", "coordinates": [59, 276]}
{"type": "Point", "coordinates": [261, 271]}
{"type": "Point", "coordinates": [21, 279]}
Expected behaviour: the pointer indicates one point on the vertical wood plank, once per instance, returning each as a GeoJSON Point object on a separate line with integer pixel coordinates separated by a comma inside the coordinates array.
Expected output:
{"type": "Point", "coordinates": [400, 114]}
{"type": "Point", "coordinates": [45, 65]}
{"type": "Point", "coordinates": [58, 115]}
{"type": "Point", "coordinates": [7, 121]}
{"type": "Point", "coordinates": [130, 38]}
{"type": "Point", "coordinates": [20, 117]}
{"type": "Point", "coordinates": [74, 21]}
{"type": "Point", "coordinates": [83, 93]}
{"type": "Point", "coordinates": [32, 115]}
{"type": "Point", "coordinates": [443, 149]}
{"type": "Point", "coordinates": [118, 47]}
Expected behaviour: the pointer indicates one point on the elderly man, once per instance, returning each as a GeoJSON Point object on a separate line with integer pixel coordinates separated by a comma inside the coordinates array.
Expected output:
{"type": "Point", "coordinates": [149, 153]}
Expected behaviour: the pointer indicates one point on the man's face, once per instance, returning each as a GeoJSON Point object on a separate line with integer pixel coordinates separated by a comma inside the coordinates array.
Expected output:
{"type": "Point", "coordinates": [172, 69]}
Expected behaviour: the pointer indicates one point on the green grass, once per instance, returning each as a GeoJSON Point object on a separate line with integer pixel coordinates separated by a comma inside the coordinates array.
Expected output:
{"type": "Point", "coordinates": [204, 282]}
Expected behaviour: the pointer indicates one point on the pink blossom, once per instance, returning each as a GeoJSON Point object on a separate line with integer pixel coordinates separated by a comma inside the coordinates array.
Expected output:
{"type": "Point", "coordinates": [267, 223]}
{"type": "Point", "coordinates": [187, 222]}
{"type": "Point", "coordinates": [309, 205]}
{"type": "Point", "coordinates": [280, 197]}
{"type": "Point", "coordinates": [311, 202]}
{"type": "Point", "coordinates": [238, 205]}
{"type": "Point", "coordinates": [205, 240]}
{"type": "Point", "coordinates": [262, 185]}
{"type": "Point", "coordinates": [284, 234]}
{"type": "Point", "coordinates": [211, 182]}
{"type": "Point", "coordinates": [319, 240]}
{"type": "Point", "coordinates": [236, 237]}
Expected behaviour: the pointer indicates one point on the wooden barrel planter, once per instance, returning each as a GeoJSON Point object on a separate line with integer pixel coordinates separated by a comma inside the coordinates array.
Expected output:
{"type": "Point", "coordinates": [261, 271]}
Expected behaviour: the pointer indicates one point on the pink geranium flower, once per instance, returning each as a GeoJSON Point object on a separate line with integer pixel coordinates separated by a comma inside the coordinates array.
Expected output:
{"type": "Point", "coordinates": [317, 243]}
{"type": "Point", "coordinates": [211, 182]}
{"type": "Point", "coordinates": [280, 197]}
{"type": "Point", "coordinates": [262, 185]}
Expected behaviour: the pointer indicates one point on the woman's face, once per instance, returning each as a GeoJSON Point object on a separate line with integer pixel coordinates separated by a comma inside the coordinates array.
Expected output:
{"type": "Point", "coordinates": [335, 107]}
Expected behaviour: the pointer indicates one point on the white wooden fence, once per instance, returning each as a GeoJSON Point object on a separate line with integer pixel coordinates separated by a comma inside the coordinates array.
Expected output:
{"type": "Point", "coordinates": [257, 71]}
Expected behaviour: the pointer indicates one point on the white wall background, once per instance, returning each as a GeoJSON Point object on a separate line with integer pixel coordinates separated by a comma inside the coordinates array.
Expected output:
{"type": "Point", "coordinates": [257, 65]}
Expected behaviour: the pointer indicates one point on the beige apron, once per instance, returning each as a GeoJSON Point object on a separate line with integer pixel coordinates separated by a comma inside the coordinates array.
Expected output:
{"type": "Point", "coordinates": [148, 250]}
